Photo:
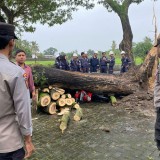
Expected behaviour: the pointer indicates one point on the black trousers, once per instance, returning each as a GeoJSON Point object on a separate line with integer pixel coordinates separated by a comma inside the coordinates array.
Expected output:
{"type": "Point", "coordinates": [157, 128]}
{"type": "Point", "coordinates": [93, 69]}
{"type": "Point", "coordinates": [15, 155]}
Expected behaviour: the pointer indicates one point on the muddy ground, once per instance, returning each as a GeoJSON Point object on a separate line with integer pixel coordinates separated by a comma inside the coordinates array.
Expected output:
{"type": "Point", "coordinates": [122, 132]}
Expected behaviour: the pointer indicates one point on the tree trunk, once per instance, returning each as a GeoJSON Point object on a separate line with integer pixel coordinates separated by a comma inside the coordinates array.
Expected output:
{"type": "Point", "coordinates": [147, 72]}
{"type": "Point", "coordinates": [96, 83]}
{"type": "Point", "coordinates": [126, 43]}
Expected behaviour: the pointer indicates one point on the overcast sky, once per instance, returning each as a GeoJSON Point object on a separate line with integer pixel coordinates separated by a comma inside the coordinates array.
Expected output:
{"type": "Point", "coordinates": [95, 29]}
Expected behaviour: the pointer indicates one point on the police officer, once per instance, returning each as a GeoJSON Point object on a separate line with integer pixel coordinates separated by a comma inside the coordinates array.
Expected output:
{"type": "Point", "coordinates": [15, 109]}
{"type": "Point", "coordinates": [157, 98]}
{"type": "Point", "coordinates": [84, 62]}
{"type": "Point", "coordinates": [111, 62]}
{"type": "Point", "coordinates": [75, 63]}
{"type": "Point", "coordinates": [94, 63]}
{"type": "Point", "coordinates": [126, 62]}
{"type": "Point", "coordinates": [103, 63]}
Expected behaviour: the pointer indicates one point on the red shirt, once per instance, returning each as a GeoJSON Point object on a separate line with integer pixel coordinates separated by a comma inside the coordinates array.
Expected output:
{"type": "Point", "coordinates": [29, 76]}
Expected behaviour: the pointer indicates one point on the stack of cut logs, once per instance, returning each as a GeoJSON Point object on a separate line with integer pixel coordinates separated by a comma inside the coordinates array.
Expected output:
{"type": "Point", "coordinates": [53, 99]}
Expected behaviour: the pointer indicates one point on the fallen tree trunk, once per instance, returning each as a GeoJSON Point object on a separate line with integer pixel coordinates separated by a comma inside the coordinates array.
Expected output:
{"type": "Point", "coordinates": [136, 78]}
{"type": "Point", "coordinates": [96, 83]}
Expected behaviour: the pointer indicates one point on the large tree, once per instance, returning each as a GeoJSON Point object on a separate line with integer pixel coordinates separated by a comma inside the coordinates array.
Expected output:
{"type": "Point", "coordinates": [121, 7]}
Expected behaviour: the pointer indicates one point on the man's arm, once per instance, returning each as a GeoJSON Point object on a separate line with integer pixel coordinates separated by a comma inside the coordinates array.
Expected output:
{"type": "Point", "coordinates": [22, 106]}
{"type": "Point", "coordinates": [31, 84]}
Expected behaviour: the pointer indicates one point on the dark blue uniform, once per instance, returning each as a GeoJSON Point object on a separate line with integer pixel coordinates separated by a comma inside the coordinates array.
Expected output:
{"type": "Point", "coordinates": [84, 65]}
{"type": "Point", "coordinates": [125, 64]}
{"type": "Point", "coordinates": [111, 65]}
{"type": "Point", "coordinates": [94, 64]}
{"type": "Point", "coordinates": [75, 65]}
{"type": "Point", "coordinates": [61, 63]}
{"type": "Point", "coordinates": [103, 65]}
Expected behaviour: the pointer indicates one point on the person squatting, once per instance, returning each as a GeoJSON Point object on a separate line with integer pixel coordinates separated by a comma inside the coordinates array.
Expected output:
{"type": "Point", "coordinates": [92, 65]}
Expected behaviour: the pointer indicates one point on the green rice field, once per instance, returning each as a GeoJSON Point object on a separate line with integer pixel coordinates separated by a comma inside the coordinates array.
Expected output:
{"type": "Point", "coordinates": [138, 61]}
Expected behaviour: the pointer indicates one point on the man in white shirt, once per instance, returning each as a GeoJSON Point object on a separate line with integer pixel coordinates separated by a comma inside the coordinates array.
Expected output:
{"type": "Point", "coordinates": [14, 103]}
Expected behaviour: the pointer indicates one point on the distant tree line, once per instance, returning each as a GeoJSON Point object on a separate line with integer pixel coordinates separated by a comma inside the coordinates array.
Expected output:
{"type": "Point", "coordinates": [139, 49]}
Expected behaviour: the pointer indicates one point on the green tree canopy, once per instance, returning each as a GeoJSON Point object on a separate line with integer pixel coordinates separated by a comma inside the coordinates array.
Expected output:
{"type": "Point", "coordinates": [140, 49]}
{"type": "Point", "coordinates": [50, 51]}
{"type": "Point", "coordinates": [25, 13]}
{"type": "Point", "coordinates": [29, 47]}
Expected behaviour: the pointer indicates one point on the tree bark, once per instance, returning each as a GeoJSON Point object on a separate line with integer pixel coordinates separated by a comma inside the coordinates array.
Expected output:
{"type": "Point", "coordinates": [126, 43]}
{"type": "Point", "coordinates": [147, 72]}
{"type": "Point", "coordinates": [96, 83]}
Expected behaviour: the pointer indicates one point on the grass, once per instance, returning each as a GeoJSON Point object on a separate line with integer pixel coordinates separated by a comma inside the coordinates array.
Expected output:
{"type": "Point", "coordinates": [138, 61]}
{"type": "Point", "coordinates": [44, 63]}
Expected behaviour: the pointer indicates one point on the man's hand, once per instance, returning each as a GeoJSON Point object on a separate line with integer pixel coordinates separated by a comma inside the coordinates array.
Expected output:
{"type": "Point", "coordinates": [33, 96]}
{"type": "Point", "coordinates": [29, 146]}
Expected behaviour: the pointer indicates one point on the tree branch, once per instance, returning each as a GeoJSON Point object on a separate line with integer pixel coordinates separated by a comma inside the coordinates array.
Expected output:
{"type": "Point", "coordinates": [2, 19]}
{"type": "Point", "coordinates": [114, 5]}
{"type": "Point", "coordinates": [8, 13]}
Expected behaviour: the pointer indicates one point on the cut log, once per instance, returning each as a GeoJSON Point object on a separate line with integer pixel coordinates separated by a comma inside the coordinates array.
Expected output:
{"type": "Point", "coordinates": [50, 87]}
{"type": "Point", "coordinates": [69, 101]}
{"type": "Point", "coordinates": [63, 96]}
{"type": "Point", "coordinates": [64, 121]}
{"type": "Point", "coordinates": [45, 90]}
{"type": "Point", "coordinates": [44, 99]}
{"type": "Point", "coordinates": [68, 96]}
{"type": "Point", "coordinates": [61, 102]}
{"type": "Point", "coordinates": [76, 105]}
{"type": "Point", "coordinates": [59, 90]}
{"type": "Point", "coordinates": [113, 100]}
{"type": "Point", "coordinates": [51, 108]}
{"type": "Point", "coordinates": [62, 111]}
{"type": "Point", "coordinates": [73, 100]}
{"type": "Point", "coordinates": [55, 95]}
{"type": "Point", "coordinates": [78, 115]}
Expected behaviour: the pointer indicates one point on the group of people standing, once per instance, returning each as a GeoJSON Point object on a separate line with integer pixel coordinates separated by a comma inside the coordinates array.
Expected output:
{"type": "Point", "coordinates": [84, 64]}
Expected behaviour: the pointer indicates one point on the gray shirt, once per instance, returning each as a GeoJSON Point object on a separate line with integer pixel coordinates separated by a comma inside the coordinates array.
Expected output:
{"type": "Point", "coordinates": [15, 109]}
{"type": "Point", "coordinates": [157, 89]}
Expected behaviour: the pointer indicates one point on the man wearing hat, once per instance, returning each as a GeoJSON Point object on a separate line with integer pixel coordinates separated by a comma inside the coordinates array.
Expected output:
{"type": "Point", "coordinates": [157, 98]}
{"type": "Point", "coordinates": [94, 62]}
{"type": "Point", "coordinates": [126, 62]}
{"type": "Point", "coordinates": [15, 113]}
{"type": "Point", "coordinates": [75, 63]}
{"type": "Point", "coordinates": [111, 62]}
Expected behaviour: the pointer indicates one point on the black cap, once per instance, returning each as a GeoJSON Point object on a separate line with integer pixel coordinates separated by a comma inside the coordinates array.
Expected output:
{"type": "Point", "coordinates": [158, 41]}
{"type": "Point", "coordinates": [7, 30]}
